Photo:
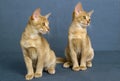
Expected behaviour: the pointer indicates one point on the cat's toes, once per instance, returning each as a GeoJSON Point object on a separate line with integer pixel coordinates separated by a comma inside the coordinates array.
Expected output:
{"type": "Point", "coordinates": [66, 65]}
{"type": "Point", "coordinates": [51, 71]}
{"type": "Point", "coordinates": [83, 67]}
{"type": "Point", "coordinates": [37, 75]}
{"type": "Point", "coordinates": [89, 64]}
{"type": "Point", "coordinates": [29, 76]}
{"type": "Point", "coordinates": [76, 68]}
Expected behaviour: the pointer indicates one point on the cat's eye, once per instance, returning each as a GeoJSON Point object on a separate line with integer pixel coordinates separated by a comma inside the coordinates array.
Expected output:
{"type": "Point", "coordinates": [84, 17]}
{"type": "Point", "coordinates": [43, 24]}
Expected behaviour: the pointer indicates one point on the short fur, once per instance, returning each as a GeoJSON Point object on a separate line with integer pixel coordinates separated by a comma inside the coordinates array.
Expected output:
{"type": "Point", "coordinates": [36, 50]}
{"type": "Point", "coordinates": [79, 52]}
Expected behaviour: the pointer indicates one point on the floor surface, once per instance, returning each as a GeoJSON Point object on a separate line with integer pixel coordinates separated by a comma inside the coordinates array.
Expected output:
{"type": "Point", "coordinates": [106, 67]}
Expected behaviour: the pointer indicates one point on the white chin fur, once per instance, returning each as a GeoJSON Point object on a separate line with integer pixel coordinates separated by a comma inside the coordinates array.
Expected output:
{"type": "Point", "coordinates": [84, 25]}
{"type": "Point", "coordinates": [43, 32]}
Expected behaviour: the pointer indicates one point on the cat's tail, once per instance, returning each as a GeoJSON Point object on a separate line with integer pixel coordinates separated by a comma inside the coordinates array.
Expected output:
{"type": "Point", "coordinates": [60, 60]}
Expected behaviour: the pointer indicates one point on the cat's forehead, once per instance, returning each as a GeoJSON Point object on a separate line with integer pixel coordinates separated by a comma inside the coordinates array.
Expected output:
{"type": "Point", "coordinates": [84, 13]}
{"type": "Point", "coordinates": [43, 18]}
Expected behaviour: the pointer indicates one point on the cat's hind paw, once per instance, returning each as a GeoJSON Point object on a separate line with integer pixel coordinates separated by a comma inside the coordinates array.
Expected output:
{"type": "Point", "coordinates": [66, 64]}
{"type": "Point", "coordinates": [51, 71]}
{"type": "Point", "coordinates": [89, 64]}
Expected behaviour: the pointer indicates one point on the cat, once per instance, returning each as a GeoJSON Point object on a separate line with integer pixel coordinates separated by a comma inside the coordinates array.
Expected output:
{"type": "Point", "coordinates": [79, 52]}
{"type": "Point", "coordinates": [36, 50]}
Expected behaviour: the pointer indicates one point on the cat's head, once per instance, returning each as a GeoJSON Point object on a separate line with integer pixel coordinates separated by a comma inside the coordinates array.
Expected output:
{"type": "Point", "coordinates": [80, 16]}
{"type": "Point", "coordinates": [40, 23]}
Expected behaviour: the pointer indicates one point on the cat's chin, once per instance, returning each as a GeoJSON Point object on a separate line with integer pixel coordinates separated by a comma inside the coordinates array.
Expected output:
{"type": "Point", "coordinates": [84, 25]}
{"type": "Point", "coordinates": [41, 32]}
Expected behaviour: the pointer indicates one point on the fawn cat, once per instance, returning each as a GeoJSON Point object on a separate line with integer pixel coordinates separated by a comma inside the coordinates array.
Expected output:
{"type": "Point", "coordinates": [79, 52]}
{"type": "Point", "coordinates": [36, 50]}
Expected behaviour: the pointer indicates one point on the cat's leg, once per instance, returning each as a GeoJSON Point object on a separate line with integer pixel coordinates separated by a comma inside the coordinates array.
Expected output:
{"type": "Point", "coordinates": [68, 63]}
{"type": "Point", "coordinates": [74, 60]}
{"type": "Point", "coordinates": [39, 65]}
{"type": "Point", "coordinates": [52, 62]}
{"type": "Point", "coordinates": [28, 62]}
{"type": "Point", "coordinates": [83, 60]}
{"type": "Point", "coordinates": [90, 58]}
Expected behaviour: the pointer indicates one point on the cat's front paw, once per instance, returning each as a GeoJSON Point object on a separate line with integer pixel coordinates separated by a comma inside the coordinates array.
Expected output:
{"type": "Point", "coordinates": [37, 75]}
{"type": "Point", "coordinates": [76, 68]}
{"type": "Point", "coordinates": [29, 76]}
{"type": "Point", "coordinates": [83, 67]}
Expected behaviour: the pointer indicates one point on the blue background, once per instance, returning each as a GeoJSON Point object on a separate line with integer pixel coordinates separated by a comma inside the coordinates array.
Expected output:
{"type": "Point", "coordinates": [104, 33]}
{"type": "Point", "coordinates": [104, 30]}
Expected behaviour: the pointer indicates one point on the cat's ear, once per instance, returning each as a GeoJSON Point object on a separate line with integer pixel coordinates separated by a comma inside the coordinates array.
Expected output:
{"type": "Point", "coordinates": [36, 14]}
{"type": "Point", "coordinates": [91, 12]}
{"type": "Point", "coordinates": [47, 16]}
{"type": "Point", "coordinates": [78, 8]}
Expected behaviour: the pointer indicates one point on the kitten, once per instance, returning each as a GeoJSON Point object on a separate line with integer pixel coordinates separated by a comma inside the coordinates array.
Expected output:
{"type": "Point", "coordinates": [36, 50]}
{"type": "Point", "coordinates": [79, 52]}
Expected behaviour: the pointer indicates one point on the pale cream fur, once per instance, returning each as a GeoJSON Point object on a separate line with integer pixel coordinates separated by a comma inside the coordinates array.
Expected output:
{"type": "Point", "coordinates": [79, 52]}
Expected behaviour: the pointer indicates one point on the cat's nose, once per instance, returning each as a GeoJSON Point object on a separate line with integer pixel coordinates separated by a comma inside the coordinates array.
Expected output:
{"type": "Point", "coordinates": [48, 29]}
{"type": "Point", "coordinates": [88, 21]}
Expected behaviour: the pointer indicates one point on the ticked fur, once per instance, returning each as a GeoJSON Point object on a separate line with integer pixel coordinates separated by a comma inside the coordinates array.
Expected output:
{"type": "Point", "coordinates": [79, 52]}
{"type": "Point", "coordinates": [36, 50]}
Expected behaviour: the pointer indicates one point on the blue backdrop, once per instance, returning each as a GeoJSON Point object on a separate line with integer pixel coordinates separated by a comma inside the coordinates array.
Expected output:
{"type": "Point", "coordinates": [104, 30]}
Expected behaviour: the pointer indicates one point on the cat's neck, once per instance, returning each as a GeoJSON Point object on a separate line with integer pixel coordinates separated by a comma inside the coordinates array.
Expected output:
{"type": "Point", "coordinates": [78, 25]}
{"type": "Point", "coordinates": [31, 32]}
{"type": "Point", "coordinates": [30, 29]}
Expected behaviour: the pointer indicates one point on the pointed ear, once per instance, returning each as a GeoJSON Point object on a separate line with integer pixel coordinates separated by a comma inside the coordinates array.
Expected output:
{"type": "Point", "coordinates": [47, 16]}
{"type": "Point", "coordinates": [91, 12]}
{"type": "Point", "coordinates": [36, 14]}
{"type": "Point", "coordinates": [78, 8]}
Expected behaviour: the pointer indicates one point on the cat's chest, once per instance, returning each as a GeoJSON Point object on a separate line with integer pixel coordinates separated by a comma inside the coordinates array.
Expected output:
{"type": "Point", "coordinates": [32, 41]}
{"type": "Point", "coordinates": [33, 36]}
{"type": "Point", "coordinates": [77, 35]}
